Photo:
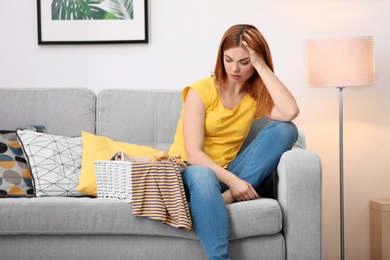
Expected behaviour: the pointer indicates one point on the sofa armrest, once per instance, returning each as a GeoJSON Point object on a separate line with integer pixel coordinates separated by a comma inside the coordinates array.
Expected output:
{"type": "Point", "coordinates": [299, 195]}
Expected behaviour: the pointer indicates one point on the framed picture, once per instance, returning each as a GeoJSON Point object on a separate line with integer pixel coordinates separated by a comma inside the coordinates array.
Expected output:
{"type": "Point", "coordinates": [92, 21]}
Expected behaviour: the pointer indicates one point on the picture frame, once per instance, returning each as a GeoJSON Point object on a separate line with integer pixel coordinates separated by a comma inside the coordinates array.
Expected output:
{"type": "Point", "coordinates": [96, 22]}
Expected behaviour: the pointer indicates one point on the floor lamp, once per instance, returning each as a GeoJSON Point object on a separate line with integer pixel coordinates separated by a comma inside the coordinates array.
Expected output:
{"type": "Point", "coordinates": [340, 63]}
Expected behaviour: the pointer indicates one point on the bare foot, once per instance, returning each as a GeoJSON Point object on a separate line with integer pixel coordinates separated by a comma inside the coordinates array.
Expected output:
{"type": "Point", "coordinates": [227, 197]}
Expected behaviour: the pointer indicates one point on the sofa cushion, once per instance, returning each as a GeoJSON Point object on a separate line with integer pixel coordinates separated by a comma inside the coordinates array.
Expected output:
{"type": "Point", "coordinates": [55, 162]}
{"type": "Point", "coordinates": [103, 148]}
{"type": "Point", "coordinates": [67, 215]}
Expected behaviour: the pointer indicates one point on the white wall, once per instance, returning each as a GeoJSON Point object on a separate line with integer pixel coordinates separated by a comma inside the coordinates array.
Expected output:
{"type": "Point", "coordinates": [184, 37]}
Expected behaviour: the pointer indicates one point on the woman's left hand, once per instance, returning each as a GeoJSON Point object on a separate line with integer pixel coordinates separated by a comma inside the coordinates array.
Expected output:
{"type": "Point", "coordinates": [286, 108]}
{"type": "Point", "coordinates": [247, 42]}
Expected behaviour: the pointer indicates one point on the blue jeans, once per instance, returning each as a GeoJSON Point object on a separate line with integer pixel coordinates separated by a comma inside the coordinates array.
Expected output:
{"type": "Point", "coordinates": [254, 164]}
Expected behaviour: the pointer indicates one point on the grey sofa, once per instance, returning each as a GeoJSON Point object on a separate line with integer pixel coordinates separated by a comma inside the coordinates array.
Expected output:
{"type": "Point", "coordinates": [287, 225]}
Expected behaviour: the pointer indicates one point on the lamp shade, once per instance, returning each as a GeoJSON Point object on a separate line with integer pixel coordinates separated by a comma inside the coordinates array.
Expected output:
{"type": "Point", "coordinates": [340, 62]}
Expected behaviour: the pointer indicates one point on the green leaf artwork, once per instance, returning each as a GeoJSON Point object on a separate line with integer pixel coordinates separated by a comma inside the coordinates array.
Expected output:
{"type": "Point", "coordinates": [92, 10]}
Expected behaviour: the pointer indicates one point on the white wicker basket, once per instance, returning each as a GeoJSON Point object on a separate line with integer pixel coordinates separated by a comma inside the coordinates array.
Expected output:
{"type": "Point", "coordinates": [113, 180]}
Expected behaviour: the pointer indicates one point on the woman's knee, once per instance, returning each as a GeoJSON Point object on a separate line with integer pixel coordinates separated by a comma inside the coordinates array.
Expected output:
{"type": "Point", "coordinates": [284, 126]}
{"type": "Point", "coordinates": [286, 130]}
{"type": "Point", "coordinates": [199, 176]}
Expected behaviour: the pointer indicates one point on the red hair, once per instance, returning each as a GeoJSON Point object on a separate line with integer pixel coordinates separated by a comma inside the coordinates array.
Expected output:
{"type": "Point", "coordinates": [254, 85]}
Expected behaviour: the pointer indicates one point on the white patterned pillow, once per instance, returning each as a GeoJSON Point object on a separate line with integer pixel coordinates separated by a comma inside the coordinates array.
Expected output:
{"type": "Point", "coordinates": [54, 161]}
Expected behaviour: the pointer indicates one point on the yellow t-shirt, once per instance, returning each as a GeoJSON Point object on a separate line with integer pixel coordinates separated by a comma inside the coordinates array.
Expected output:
{"type": "Point", "coordinates": [225, 129]}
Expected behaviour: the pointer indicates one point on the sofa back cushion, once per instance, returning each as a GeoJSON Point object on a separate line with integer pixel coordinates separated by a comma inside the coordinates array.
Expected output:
{"type": "Point", "coordinates": [65, 111]}
{"type": "Point", "coordinates": [144, 117]}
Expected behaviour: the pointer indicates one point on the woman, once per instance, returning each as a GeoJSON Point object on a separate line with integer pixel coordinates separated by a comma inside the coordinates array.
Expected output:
{"type": "Point", "coordinates": [217, 115]}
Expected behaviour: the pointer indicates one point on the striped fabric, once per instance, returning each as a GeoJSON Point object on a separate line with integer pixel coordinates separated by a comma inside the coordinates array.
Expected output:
{"type": "Point", "coordinates": [158, 193]}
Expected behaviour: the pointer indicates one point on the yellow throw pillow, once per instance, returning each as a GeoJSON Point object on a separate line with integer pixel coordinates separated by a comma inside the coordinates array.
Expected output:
{"type": "Point", "coordinates": [102, 148]}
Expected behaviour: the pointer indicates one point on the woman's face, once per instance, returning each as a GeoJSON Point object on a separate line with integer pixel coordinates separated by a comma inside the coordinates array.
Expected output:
{"type": "Point", "coordinates": [238, 66]}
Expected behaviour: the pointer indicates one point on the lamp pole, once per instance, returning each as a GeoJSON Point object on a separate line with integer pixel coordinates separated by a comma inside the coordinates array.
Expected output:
{"type": "Point", "coordinates": [341, 161]}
